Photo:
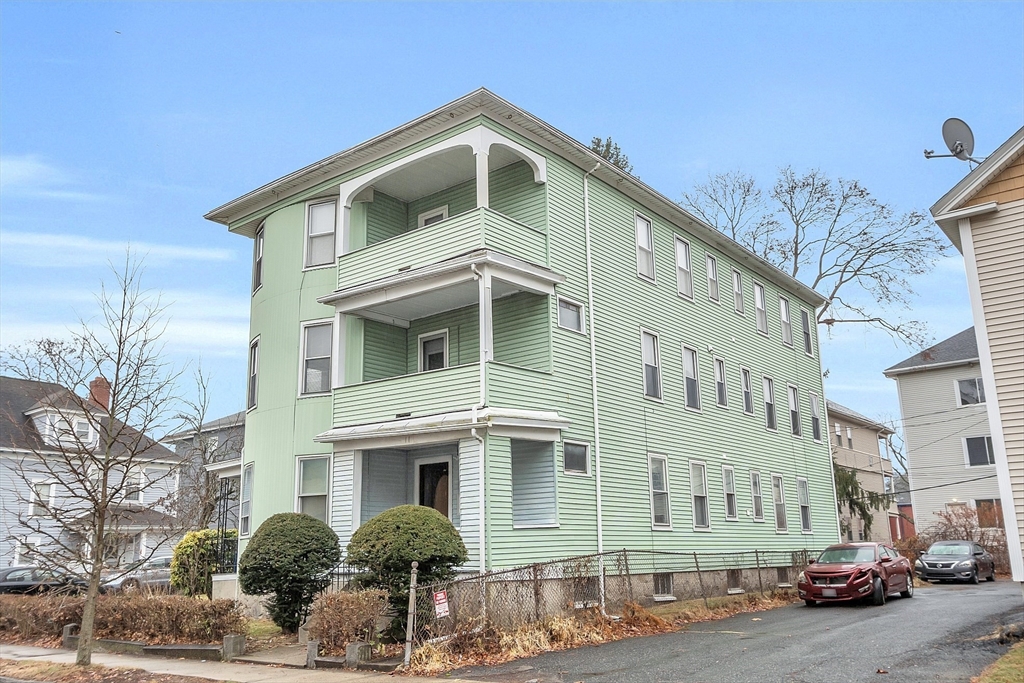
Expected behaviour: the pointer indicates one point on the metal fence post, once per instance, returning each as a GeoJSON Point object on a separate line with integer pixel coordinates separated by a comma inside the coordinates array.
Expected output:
{"type": "Point", "coordinates": [410, 622]}
{"type": "Point", "coordinates": [700, 580]}
{"type": "Point", "coordinates": [760, 582]}
{"type": "Point", "coordinates": [536, 593]}
{"type": "Point", "coordinates": [629, 577]}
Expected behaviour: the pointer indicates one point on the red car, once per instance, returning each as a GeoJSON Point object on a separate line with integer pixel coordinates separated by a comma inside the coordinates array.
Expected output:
{"type": "Point", "coordinates": [855, 571]}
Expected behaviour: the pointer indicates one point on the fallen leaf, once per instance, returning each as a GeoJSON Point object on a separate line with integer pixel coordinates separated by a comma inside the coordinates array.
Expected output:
{"type": "Point", "coordinates": [881, 671]}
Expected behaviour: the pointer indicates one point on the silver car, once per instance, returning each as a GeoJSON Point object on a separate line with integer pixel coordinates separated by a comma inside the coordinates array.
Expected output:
{"type": "Point", "coordinates": [955, 561]}
{"type": "Point", "coordinates": [154, 575]}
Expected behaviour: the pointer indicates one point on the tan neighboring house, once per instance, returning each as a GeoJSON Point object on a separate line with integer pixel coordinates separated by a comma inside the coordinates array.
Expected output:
{"type": "Point", "coordinates": [855, 445]}
{"type": "Point", "coordinates": [983, 215]}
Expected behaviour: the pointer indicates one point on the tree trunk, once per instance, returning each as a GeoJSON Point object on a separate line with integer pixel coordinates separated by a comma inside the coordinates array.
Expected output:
{"type": "Point", "coordinates": [84, 655]}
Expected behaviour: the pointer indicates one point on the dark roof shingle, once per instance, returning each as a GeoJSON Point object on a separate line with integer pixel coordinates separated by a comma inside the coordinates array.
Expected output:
{"type": "Point", "coordinates": [961, 347]}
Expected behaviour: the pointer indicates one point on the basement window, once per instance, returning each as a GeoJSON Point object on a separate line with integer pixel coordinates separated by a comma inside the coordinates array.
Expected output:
{"type": "Point", "coordinates": [663, 589]}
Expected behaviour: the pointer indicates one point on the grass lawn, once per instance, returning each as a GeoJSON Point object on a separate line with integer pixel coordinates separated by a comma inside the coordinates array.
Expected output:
{"type": "Point", "coordinates": [1006, 669]}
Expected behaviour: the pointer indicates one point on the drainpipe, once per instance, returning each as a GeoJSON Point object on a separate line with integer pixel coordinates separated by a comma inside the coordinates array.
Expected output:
{"type": "Point", "coordinates": [593, 371]}
{"type": "Point", "coordinates": [480, 440]}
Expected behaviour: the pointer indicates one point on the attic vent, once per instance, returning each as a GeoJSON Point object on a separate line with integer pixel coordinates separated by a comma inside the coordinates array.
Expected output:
{"type": "Point", "coordinates": [402, 415]}
{"type": "Point", "coordinates": [404, 268]}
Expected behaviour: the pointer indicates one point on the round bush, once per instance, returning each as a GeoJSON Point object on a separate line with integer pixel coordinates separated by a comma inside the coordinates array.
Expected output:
{"type": "Point", "coordinates": [290, 558]}
{"type": "Point", "coordinates": [195, 560]}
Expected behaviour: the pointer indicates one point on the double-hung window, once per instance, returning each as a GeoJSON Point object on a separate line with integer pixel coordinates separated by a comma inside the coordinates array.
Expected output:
{"type": "Point", "coordinates": [759, 308]}
{"type": "Point", "coordinates": [254, 372]}
{"type": "Point", "coordinates": [849, 438]}
{"type": "Point", "coordinates": [787, 324]}
{"type": "Point", "coordinates": [805, 504]}
{"type": "Point", "coordinates": [313, 479]}
{"type": "Point", "coordinates": [712, 277]}
{"type": "Point", "coordinates": [41, 498]}
{"type": "Point", "coordinates": [756, 497]}
{"type": "Point", "coordinates": [320, 221]}
{"type": "Point", "coordinates": [737, 291]}
{"type": "Point", "coordinates": [432, 216]}
{"type": "Point", "coordinates": [257, 259]}
{"type": "Point", "coordinates": [768, 386]}
{"type": "Point", "coordinates": [131, 487]}
{"type": "Point", "coordinates": [699, 494]}
{"type": "Point", "coordinates": [839, 434]}
{"type": "Point", "coordinates": [815, 417]}
{"type": "Point", "coordinates": [433, 350]}
{"type": "Point", "coordinates": [979, 451]}
{"type": "Point", "coordinates": [805, 324]}
{"type": "Point", "coordinates": [570, 315]}
{"type": "Point", "coordinates": [652, 365]}
{"type": "Point", "coordinates": [684, 269]}
{"type": "Point", "coordinates": [644, 248]}
{"type": "Point", "coordinates": [748, 392]}
{"type": "Point", "coordinates": [692, 385]}
{"type": "Point", "coordinates": [720, 391]}
{"type": "Point", "coordinates": [729, 491]}
{"type": "Point", "coordinates": [794, 411]}
{"type": "Point", "coordinates": [779, 501]}
{"type": "Point", "coordinates": [661, 517]}
{"type": "Point", "coordinates": [245, 502]}
{"type": "Point", "coordinates": [970, 391]}
{"type": "Point", "coordinates": [316, 357]}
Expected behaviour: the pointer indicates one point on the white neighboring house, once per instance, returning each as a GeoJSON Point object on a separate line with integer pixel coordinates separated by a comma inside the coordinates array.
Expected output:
{"type": "Point", "coordinates": [34, 416]}
{"type": "Point", "coordinates": [950, 455]}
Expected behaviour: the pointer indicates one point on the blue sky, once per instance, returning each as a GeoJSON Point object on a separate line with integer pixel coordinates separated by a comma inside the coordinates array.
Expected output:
{"type": "Point", "coordinates": [128, 121]}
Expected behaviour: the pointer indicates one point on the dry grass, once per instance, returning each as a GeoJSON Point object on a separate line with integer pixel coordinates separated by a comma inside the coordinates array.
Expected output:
{"type": "Point", "coordinates": [1006, 669]}
{"type": "Point", "coordinates": [337, 619]}
{"type": "Point", "coordinates": [694, 611]}
{"type": "Point", "coordinates": [69, 673]}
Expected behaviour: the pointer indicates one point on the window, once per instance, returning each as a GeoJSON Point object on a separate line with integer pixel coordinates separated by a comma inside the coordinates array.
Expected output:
{"type": "Point", "coordinates": [737, 291]}
{"type": "Point", "coordinates": [805, 326]}
{"type": "Point", "coordinates": [815, 417]}
{"type": "Point", "coordinates": [316, 358]}
{"type": "Point", "coordinates": [729, 490]}
{"type": "Point", "coordinates": [245, 502]}
{"type": "Point", "coordinates": [663, 585]}
{"type": "Point", "coordinates": [804, 499]}
{"type": "Point", "coordinates": [979, 451]}
{"type": "Point", "coordinates": [433, 350]}
{"type": "Point", "coordinates": [684, 270]}
{"type": "Point", "coordinates": [768, 385]}
{"type": "Point", "coordinates": [312, 487]}
{"type": "Point", "coordinates": [83, 431]}
{"type": "Point", "coordinates": [692, 386]}
{"type": "Point", "coordinates": [131, 488]}
{"type": "Point", "coordinates": [644, 248]}
{"type": "Point", "coordinates": [787, 324]}
{"type": "Point", "coordinates": [570, 315]}
{"type": "Point", "coordinates": [748, 392]}
{"type": "Point", "coordinates": [755, 495]}
{"type": "Point", "coordinates": [990, 513]}
{"type": "Point", "coordinates": [779, 501]}
{"type": "Point", "coordinates": [652, 365]}
{"type": "Point", "coordinates": [720, 391]}
{"type": "Point", "coordinates": [699, 494]}
{"type": "Point", "coordinates": [575, 457]}
{"type": "Point", "coordinates": [320, 220]}
{"type": "Point", "coordinates": [849, 437]}
{"type": "Point", "coordinates": [41, 498]}
{"type": "Point", "coordinates": [533, 484]}
{"type": "Point", "coordinates": [257, 260]}
{"type": "Point", "coordinates": [971, 391]}
{"type": "Point", "coordinates": [660, 515]}
{"type": "Point", "coordinates": [433, 216]}
{"type": "Point", "coordinates": [794, 411]}
{"type": "Point", "coordinates": [712, 278]}
{"type": "Point", "coordinates": [759, 309]}
{"type": "Point", "coordinates": [254, 369]}
{"type": "Point", "coordinates": [839, 434]}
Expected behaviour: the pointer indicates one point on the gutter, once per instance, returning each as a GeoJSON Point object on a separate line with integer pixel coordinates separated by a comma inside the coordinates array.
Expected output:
{"type": "Point", "coordinates": [890, 373]}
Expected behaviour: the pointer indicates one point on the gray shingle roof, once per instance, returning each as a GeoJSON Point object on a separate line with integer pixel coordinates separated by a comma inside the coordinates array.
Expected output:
{"type": "Point", "coordinates": [840, 409]}
{"type": "Point", "coordinates": [233, 420]}
{"type": "Point", "coordinates": [961, 347]}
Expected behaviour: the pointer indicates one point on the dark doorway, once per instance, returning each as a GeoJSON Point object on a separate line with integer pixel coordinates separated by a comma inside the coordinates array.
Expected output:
{"type": "Point", "coordinates": [433, 491]}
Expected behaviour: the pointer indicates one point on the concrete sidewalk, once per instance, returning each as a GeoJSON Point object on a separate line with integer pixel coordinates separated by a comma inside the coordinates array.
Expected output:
{"type": "Point", "coordinates": [218, 671]}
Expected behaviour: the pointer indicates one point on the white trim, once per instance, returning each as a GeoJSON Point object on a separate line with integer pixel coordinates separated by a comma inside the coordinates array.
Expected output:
{"type": "Point", "coordinates": [792, 391]}
{"type": "Point", "coordinates": [693, 496]}
{"type": "Point", "coordinates": [430, 336]}
{"type": "Point", "coordinates": [660, 398]}
{"type": "Point", "coordinates": [933, 366]}
{"type": "Point", "coordinates": [750, 382]}
{"type": "Point", "coordinates": [814, 397]}
{"type": "Point", "coordinates": [696, 379]}
{"type": "Point", "coordinates": [653, 277]}
{"type": "Point", "coordinates": [576, 473]}
{"type": "Point", "coordinates": [259, 241]}
{"type": "Point", "coordinates": [774, 402]}
{"type": "Point", "coordinates": [764, 307]}
{"type": "Point", "coordinates": [668, 491]}
{"type": "Point", "coordinates": [715, 361]}
{"type": "Point", "coordinates": [558, 317]}
{"type": "Point", "coordinates": [800, 506]}
{"type": "Point", "coordinates": [956, 392]}
{"type": "Point", "coordinates": [33, 496]}
{"type": "Point", "coordinates": [432, 460]}
{"type": "Point", "coordinates": [742, 311]}
{"type": "Point", "coordinates": [725, 495]}
{"type": "Point", "coordinates": [329, 457]}
{"type": "Point", "coordinates": [711, 264]}
{"type": "Point", "coordinates": [760, 495]}
{"type": "Point", "coordinates": [251, 467]}
{"type": "Point", "coordinates": [252, 378]}
{"type": "Point", "coordinates": [786, 320]}
{"type": "Point", "coordinates": [775, 509]}
{"type": "Point", "coordinates": [309, 204]}
{"type": "Point", "coordinates": [967, 457]}
{"type": "Point", "coordinates": [689, 267]}
{"type": "Point", "coordinates": [303, 326]}
{"type": "Point", "coordinates": [810, 331]}
{"type": "Point", "coordinates": [422, 218]}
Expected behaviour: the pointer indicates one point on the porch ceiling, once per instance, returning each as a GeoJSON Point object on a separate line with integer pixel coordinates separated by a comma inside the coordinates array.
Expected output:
{"type": "Point", "coordinates": [441, 171]}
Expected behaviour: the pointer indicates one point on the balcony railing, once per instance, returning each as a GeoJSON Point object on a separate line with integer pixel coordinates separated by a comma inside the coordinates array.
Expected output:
{"type": "Point", "coordinates": [513, 386]}
{"type": "Point", "coordinates": [474, 229]}
{"type": "Point", "coordinates": [415, 395]}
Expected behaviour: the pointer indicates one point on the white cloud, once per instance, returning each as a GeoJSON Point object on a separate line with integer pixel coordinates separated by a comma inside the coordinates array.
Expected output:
{"type": "Point", "coordinates": [49, 250]}
{"type": "Point", "coordinates": [28, 175]}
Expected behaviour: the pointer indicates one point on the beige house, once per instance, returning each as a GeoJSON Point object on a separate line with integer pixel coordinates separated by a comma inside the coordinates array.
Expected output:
{"type": "Point", "coordinates": [855, 445]}
{"type": "Point", "coordinates": [983, 215]}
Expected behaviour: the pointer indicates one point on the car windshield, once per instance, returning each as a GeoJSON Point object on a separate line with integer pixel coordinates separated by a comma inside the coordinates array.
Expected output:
{"type": "Point", "coordinates": [848, 555]}
{"type": "Point", "coordinates": [950, 549]}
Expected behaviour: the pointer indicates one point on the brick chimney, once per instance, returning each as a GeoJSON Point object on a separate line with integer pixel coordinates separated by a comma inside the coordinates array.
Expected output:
{"type": "Point", "coordinates": [99, 393]}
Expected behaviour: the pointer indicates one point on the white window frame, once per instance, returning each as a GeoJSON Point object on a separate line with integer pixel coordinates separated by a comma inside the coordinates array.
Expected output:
{"type": "Point", "coordinates": [747, 389]}
{"type": "Point", "coordinates": [691, 353]}
{"type": "Point", "coordinates": [721, 398]}
{"type": "Point", "coordinates": [796, 429]}
{"type": "Point", "coordinates": [768, 390]}
{"type": "Point", "coordinates": [553, 524]}
{"type": "Point", "coordinates": [421, 219]}
{"type": "Point", "coordinates": [34, 496]}
{"type": "Point", "coordinates": [433, 460]}
{"type": "Point", "coordinates": [784, 529]}
{"type": "Point", "coordinates": [786, 320]}
{"type": "Point", "coordinates": [430, 336]}
{"type": "Point", "coordinates": [558, 314]}
{"type": "Point", "coordinates": [711, 266]}
{"type": "Point", "coordinates": [637, 217]}
{"type": "Point", "coordinates": [684, 271]}
{"type": "Point", "coordinates": [807, 330]}
{"type": "Point", "coordinates": [756, 496]}
{"type": "Point", "coordinates": [247, 469]}
{"type": "Point", "coordinates": [816, 422]}
{"type": "Point", "coordinates": [327, 484]}
{"type": "Point", "coordinates": [979, 385]}
{"type": "Point", "coordinates": [25, 545]}
{"type": "Point", "coordinates": [660, 398]}
{"type": "Point", "coordinates": [252, 384]}
{"type": "Point", "coordinates": [803, 495]}
{"type": "Point", "coordinates": [695, 494]}
{"type": "Point", "coordinates": [137, 477]}
{"type": "Point", "coordinates": [739, 305]}
{"type": "Point", "coordinates": [989, 447]}
{"type": "Point", "coordinates": [308, 225]}
{"type": "Point", "coordinates": [728, 491]}
{"type": "Point", "coordinates": [303, 327]}
{"type": "Point", "coordinates": [651, 457]}
{"type": "Point", "coordinates": [849, 438]}
{"type": "Point", "coordinates": [664, 597]}
{"type": "Point", "coordinates": [839, 434]}
{"type": "Point", "coordinates": [576, 473]}
{"type": "Point", "coordinates": [257, 257]}
{"type": "Point", "coordinates": [761, 311]}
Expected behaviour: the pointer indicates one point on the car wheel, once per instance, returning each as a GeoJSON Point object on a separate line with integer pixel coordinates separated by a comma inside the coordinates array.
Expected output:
{"type": "Point", "coordinates": [810, 603]}
{"type": "Point", "coordinates": [878, 596]}
{"type": "Point", "coordinates": [909, 593]}
{"type": "Point", "coordinates": [130, 585]}
{"type": "Point", "coordinates": [974, 577]}
{"type": "Point", "coordinates": [991, 575]}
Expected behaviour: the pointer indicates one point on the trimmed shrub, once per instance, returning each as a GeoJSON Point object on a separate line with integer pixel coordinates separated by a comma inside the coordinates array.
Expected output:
{"type": "Point", "coordinates": [195, 560]}
{"type": "Point", "coordinates": [337, 619]}
{"type": "Point", "coordinates": [289, 558]}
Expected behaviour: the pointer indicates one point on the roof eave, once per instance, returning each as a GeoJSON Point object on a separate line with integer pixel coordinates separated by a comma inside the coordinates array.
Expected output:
{"type": "Point", "coordinates": [892, 372]}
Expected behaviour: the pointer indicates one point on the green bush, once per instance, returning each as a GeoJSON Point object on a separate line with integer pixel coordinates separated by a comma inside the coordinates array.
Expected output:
{"type": "Point", "coordinates": [195, 561]}
{"type": "Point", "coordinates": [289, 558]}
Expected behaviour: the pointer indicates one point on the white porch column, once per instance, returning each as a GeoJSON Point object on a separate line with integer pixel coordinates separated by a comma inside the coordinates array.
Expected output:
{"type": "Point", "coordinates": [482, 187]}
{"type": "Point", "coordinates": [486, 328]}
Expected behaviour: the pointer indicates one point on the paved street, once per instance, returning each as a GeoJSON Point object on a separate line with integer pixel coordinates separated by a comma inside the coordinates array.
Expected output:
{"type": "Point", "coordinates": [933, 636]}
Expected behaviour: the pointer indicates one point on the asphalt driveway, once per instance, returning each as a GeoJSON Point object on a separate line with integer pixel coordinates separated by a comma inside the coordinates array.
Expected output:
{"type": "Point", "coordinates": [938, 635]}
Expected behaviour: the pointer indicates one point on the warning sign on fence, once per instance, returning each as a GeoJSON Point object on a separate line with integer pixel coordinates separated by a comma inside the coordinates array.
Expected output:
{"type": "Point", "coordinates": [441, 604]}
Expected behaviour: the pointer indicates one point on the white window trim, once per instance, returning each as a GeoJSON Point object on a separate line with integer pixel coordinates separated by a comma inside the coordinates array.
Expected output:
{"type": "Point", "coordinates": [653, 278]}
{"type": "Point", "coordinates": [715, 360]}
{"type": "Point", "coordinates": [249, 466]}
{"type": "Point", "coordinates": [428, 336]}
{"type": "Point", "coordinates": [422, 218]}
{"type": "Point", "coordinates": [432, 460]}
{"type": "Point", "coordinates": [967, 457]}
{"type": "Point", "coordinates": [660, 398]}
{"type": "Point", "coordinates": [800, 505]}
{"type": "Point", "coordinates": [742, 311]}
{"type": "Point", "coordinates": [51, 498]}
{"type": "Point", "coordinates": [750, 376]}
{"type": "Point", "coordinates": [583, 316]}
{"type": "Point", "coordinates": [554, 468]}
{"type": "Point", "coordinates": [774, 402]}
{"type": "Point", "coordinates": [696, 370]}
{"type": "Point", "coordinates": [782, 493]}
{"type": "Point", "coordinates": [786, 321]}
{"type": "Point", "coordinates": [664, 597]}
{"type": "Point", "coordinates": [573, 473]}
{"type": "Point", "coordinates": [689, 269]}
{"type": "Point", "coordinates": [725, 496]}
{"type": "Point", "coordinates": [707, 500]}
{"type": "Point", "coordinates": [810, 331]}
{"type": "Point", "coordinates": [259, 242]}
{"type": "Point", "coordinates": [302, 356]}
{"type": "Point", "coordinates": [956, 393]}
{"type": "Point", "coordinates": [306, 236]}
{"type": "Point", "coordinates": [253, 376]}
{"type": "Point", "coordinates": [708, 260]}
{"type": "Point", "coordinates": [20, 542]}
{"type": "Point", "coordinates": [668, 491]}
{"type": "Point", "coordinates": [791, 390]}
{"type": "Point", "coordinates": [764, 301]}
{"type": "Point", "coordinates": [298, 480]}
{"type": "Point", "coordinates": [821, 422]}
{"type": "Point", "coordinates": [758, 494]}
{"type": "Point", "coordinates": [143, 482]}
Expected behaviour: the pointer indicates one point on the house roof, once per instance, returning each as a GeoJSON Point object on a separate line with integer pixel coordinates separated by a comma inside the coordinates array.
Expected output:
{"type": "Point", "coordinates": [853, 416]}
{"type": "Point", "coordinates": [232, 420]}
{"type": "Point", "coordinates": [947, 210]}
{"type": "Point", "coordinates": [244, 213]}
{"type": "Point", "coordinates": [960, 349]}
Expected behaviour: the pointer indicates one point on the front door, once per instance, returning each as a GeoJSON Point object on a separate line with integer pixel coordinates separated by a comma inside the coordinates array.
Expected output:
{"type": "Point", "coordinates": [433, 486]}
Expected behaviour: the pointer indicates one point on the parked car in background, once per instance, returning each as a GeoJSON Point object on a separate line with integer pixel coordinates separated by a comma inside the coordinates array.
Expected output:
{"type": "Point", "coordinates": [955, 561]}
{"type": "Point", "coordinates": [153, 575]}
{"type": "Point", "coordinates": [27, 579]}
{"type": "Point", "coordinates": [855, 571]}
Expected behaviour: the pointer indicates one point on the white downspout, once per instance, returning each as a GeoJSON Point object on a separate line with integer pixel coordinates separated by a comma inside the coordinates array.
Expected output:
{"type": "Point", "coordinates": [480, 440]}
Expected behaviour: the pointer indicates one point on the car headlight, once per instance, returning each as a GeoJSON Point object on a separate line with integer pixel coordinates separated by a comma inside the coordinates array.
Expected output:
{"type": "Point", "coordinates": [964, 565]}
{"type": "Point", "coordinates": [801, 578]}
{"type": "Point", "coordinates": [918, 563]}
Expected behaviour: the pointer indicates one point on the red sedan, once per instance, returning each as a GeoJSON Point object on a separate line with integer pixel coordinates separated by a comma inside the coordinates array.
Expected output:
{"type": "Point", "coordinates": [855, 571]}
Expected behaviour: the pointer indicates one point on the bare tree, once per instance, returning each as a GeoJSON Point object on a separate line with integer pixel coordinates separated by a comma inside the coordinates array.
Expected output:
{"type": "Point", "coordinates": [832, 235]}
{"type": "Point", "coordinates": [608, 150]}
{"type": "Point", "coordinates": [94, 452]}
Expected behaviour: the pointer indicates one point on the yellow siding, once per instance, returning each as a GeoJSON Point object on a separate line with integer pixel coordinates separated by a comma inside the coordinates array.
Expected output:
{"type": "Point", "coordinates": [1008, 186]}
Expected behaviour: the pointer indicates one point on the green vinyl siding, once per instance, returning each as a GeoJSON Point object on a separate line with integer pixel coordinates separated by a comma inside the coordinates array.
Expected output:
{"type": "Point", "coordinates": [459, 199]}
{"type": "Point", "coordinates": [384, 350]}
{"type": "Point", "coordinates": [385, 218]}
{"type": "Point", "coordinates": [522, 331]}
{"type": "Point", "coordinates": [418, 394]}
{"type": "Point", "coordinates": [513, 193]}
{"type": "Point", "coordinates": [463, 327]}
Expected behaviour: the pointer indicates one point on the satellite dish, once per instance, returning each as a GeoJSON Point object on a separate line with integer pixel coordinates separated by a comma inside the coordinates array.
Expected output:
{"type": "Point", "coordinates": [959, 138]}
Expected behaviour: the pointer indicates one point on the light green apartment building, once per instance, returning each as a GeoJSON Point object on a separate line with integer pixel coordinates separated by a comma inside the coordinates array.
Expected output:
{"type": "Point", "coordinates": [476, 313]}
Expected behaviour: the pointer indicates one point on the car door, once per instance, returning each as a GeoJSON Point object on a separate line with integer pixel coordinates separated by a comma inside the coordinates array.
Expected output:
{"type": "Point", "coordinates": [984, 560]}
{"type": "Point", "coordinates": [18, 581]}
